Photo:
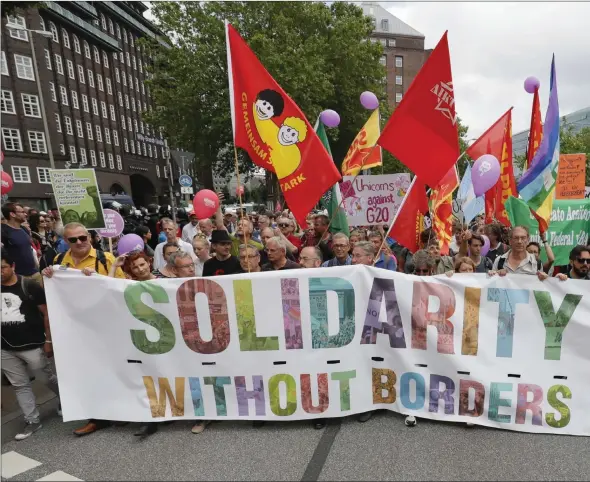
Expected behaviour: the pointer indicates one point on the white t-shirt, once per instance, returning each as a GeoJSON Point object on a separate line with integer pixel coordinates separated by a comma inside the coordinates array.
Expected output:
{"type": "Point", "coordinates": [189, 232]}
{"type": "Point", "coordinates": [160, 262]}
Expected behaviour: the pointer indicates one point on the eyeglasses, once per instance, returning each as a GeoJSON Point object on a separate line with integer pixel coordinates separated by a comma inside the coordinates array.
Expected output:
{"type": "Point", "coordinates": [284, 225]}
{"type": "Point", "coordinates": [303, 258]}
{"type": "Point", "coordinates": [421, 271]}
{"type": "Point", "coordinates": [583, 260]}
{"type": "Point", "coordinates": [74, 239]}
{"type": "Point", "coordinates": [340, 246]}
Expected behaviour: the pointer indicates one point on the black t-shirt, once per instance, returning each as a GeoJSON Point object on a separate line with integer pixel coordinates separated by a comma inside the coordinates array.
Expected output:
{"type": "Point", "coordinates": [215, 267]}
{"type": "Point", "coordinates": [288, 265]}
{"type": "Point", "coordinates": [17, 243]}
{"type": "Point", "coordinates": [22, 322]}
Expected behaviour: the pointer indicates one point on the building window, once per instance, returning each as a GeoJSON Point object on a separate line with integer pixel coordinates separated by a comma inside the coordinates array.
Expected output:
{"type": "Point", "coordinates": [74, 95]}
{"type": "Point", "coordinates": [120, 96]}
{"type": "Point", "coordinates": [99, 81]}
{"type": "Point", "coordinates": [73, 155]}
{"type": "Point", "coordinates": [90, 78]}
{"type": "Point", "coordinates": [126, 101]}
{"type": "Point", "coordinates": [18, 34]}
{"type": "Point", "coordinates": [3, 64]}
{"type": "Point", "coordinates": [111, 29]}
{"type": "Point", "coordinates": [80, 129]}
{"type": "Point", "coordinates": [76, 45]}
{"type": "Point", "coordinates": [109, 86]}
{"type": "Point", "coordinates": [68, 123]}
{"type": "Point", "coordinates": [116, 137]}
{"type": "Point", "coordinates": [385, 25]}
{"type": "Point", "coordinates": [48, 60]}
{"type": "Point", "coordinates": [383, 60]}
{"type": "Point", "coordinates": [155, 152]}
{"type": "Point", "coordinates": [129, 124]}
{"type": "Point", "coordinates": [54, 34]}
{"type": "Point", "coordinates": [135, 125]}
{"type": "Point", "coordinates": [121, 58]}
{"type": "Point", "coordinates": [383, 42]}
{"type": "Point", "coordinates": [103, 107]}
{"type": "Point", "coordinates": [42, 23]}
{"type": "Point", "coordinates": [165, 172]}
{"type": "Point", "coordinates": [142, 89]}
{"type": "Point", "coordinates": [64, 95]}
{"type": "Point", "coordinates": [157, 170]}
{"type": "Point", "coordinates": [85, 103]}
{"type": "Point", "coordinates": [391, 42]}
{"type": "Point", "coordinates": [373, 21]}
{"type": "Point", "coordinates": [125, 35]}
{"type": "Point", "coordinates": [125, 144]}
{"type": "Point", "coordinates": [43, 175]}
{"type": "Point", "coordinates": [132, 147]}
{"type": "Point", "coordinates": [71, 71]}
{"type": "Point", "coordinates": [103, 21]}
{"type": "Point", "coordinates": [124, 78]}
{"type": "Point", "coordinates": [138, 148]}
{"type": "Point", "coordinates": [57, 122]}
{"type": "Point", "coordinates": [137, 84]}
{"type": "Point", "coordinates": [92, 158]}
{"type": "Point", "coordinates": [62, 149]}
{"type": "Point", "coordinates": [131, 40]}
{"type": "Point", "coordinates": [31, 105]}
{"type": "Point", "coordinates": [107, 135]}
{"type": "Point", "coordinates": [102, 160]}
{"type": "Point", "coordinates": [119, 163]}
{"type": "Point", "coordinates": [111, 161]}
{"type": "Point", "coordinates": [140, 66]}
{"type": "Point", "coordinates": [112, 111]}
{"type": "Point", "coordinates": [118, 30]}
{"type": "Point", "coordinates": [98, 134]}
{"type": "Point", "coordinates": [398, 97]}
{"type": "Point", "coordinates": [128, 59]}
{"type": "Point", "coordinates": [149, 150]}
{"type": "Point", "coordinates": [145, 149]}
{"type": "Point", "coordinates": [20, 174]}
{"type": "Point", "coordinates": [83, 159]}
{"type": "Point", "coordinates": [134, 63]}
{"type": "Point", "coordinates": [399, 61]}
{"type": "Point", "coordinates": [11, 138]}
{"type": "Point", "coordinates": [24, 67]}
{"type": "Point", "coordinates": [59, 65]}
{"type": "Point", "coordinates": [96, 55]}
{"type": "Point", "coordinates": [123, 126]}
{"type": "Point", "coordinates": [86, 50]}
{"type": "Point", "coordinates": [145, 108]}
{"type": "Point", "coordinates": [81, 74]}
{"type": "Point", "coordinates": [7, 103]}
{"type": "Point", "coordinates": [52, 91]}
{"type": "Point", "coordinates": [89, 131]}
{"type": "Point", "coordinates": [66, 38]}
{"type": "Point", "coordinates": [37, 142]}
{"type": "Point", "coordinates": [133, 104]}
{"type": "Point", "coordinates": [105, 59]}
{"type": "Point", "coordinates": [398, 80]}
{"type": "Point", "coordinates": [117, 78]}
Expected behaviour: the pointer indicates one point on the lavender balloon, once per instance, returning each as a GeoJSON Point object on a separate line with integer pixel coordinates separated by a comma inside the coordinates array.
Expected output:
{"type": "Point", "coordinates": [330, 118]}
{"type": "Point", "coordinates": [486, 245]}
{"type": "Point", "coordinates": [369, 100]}
{"type": "Point", "coordinates": [485, 174]}
{"type": "Point", "coordinates": [128, 243]}
{"type": "Point", "coordinates": [531, 84]}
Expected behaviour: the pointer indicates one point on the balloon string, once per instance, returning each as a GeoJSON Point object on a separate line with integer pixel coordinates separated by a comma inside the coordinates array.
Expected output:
{"type": "Point", "coordinates": [241, 204]}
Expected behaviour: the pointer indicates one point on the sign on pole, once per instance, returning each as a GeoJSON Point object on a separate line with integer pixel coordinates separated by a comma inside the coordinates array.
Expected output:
{"type": "Point", "coordinates": [114, 224]}
{"type": "Point", "coordinates": [185, 181]}
{"type": "Point", "coordinates": [186, 189]}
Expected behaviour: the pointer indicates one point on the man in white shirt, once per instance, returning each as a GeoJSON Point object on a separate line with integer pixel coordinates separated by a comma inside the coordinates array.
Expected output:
{"type": "Point", "coordinates": [170, 228]}
{"type": "Point", "coordinates": [191, 229]}
{"type": "Point", "coordinates": [206, 228]}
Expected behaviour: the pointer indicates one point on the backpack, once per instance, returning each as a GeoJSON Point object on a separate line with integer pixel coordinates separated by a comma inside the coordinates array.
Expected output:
{"type": "Point", "coordinates": [501, 264]}
{"type": "Point", "coordinates": [100, 258]}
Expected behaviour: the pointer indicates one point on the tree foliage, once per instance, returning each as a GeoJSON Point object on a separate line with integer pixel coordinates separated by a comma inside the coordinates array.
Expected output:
{"type": "Point", "coordinates": [318, 53]}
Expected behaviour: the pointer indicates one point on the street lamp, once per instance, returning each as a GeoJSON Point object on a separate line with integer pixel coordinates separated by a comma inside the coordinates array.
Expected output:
{"type": "Point", "coordinates": [46, 34]}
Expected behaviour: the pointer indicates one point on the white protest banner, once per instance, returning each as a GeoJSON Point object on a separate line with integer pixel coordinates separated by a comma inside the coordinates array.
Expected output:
{"type": "Point", "coordinates": [373, 199]}
{"type": "Point", "coordinates": [508, 352]}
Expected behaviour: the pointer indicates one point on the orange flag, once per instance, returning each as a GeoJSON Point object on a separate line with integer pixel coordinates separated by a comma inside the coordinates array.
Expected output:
{"type": "Point", "coordinates": [361, 154]}
{"type": "Point", "coordinates": [441, 199]}
{"type": "Point", "coordinates": [536, 132]}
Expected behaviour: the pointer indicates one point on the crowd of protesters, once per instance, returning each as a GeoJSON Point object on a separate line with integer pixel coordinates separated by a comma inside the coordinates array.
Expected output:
{"type": "Point", "coordinates": [33, 242]}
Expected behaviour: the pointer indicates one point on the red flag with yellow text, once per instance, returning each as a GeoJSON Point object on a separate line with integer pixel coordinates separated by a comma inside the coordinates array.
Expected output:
{"type": "Point", "coordinates": [272, 129]}
{"type": "Point", "coordinates": [409, 219]}
{"type": "Point", "coordinates": [441, 200]}
{"type": "Point", "coordinates": [497, 140]}
{"type": "Point", "coordinates": [422, 131]}
{"type": "Point", "coordinates": [362, 153]}
{"type": "Point", "coordinates": [536, 132]}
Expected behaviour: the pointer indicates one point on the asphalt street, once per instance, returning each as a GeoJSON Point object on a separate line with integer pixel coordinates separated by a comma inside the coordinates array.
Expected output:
{"type": "Point", "coordinates": [381, 449]}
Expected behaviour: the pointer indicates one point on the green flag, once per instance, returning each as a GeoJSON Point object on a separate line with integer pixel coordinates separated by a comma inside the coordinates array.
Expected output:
{"type": "Point", "coordinates": [332, 199]}
{"type": "Point", "coordinates": [570, 225]}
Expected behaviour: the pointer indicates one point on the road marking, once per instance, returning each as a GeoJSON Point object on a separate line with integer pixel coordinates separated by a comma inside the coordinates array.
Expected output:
{"type": "Point", "coordinates": [58, 476]}
{"type": "Point", "coordinates": [15, 464]}
{"type": "Point", "coordinates": [320, 455]}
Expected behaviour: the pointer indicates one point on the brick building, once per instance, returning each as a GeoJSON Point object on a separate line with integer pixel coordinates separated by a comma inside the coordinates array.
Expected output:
{"type": "Point", "coordinates": [92, 73]}
{"type": "Point", "coordinates": [403, 47]}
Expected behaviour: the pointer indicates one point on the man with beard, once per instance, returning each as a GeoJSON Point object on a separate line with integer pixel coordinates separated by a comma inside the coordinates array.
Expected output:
{"type": "Point", "coordinates": [580, 263]}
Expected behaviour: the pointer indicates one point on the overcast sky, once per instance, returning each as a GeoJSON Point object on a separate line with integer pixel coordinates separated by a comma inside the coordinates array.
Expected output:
{"type": "Point", "coordinates": [495, 46]}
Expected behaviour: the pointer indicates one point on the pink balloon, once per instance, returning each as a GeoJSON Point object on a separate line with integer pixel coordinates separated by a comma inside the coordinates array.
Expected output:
{"type": "Point", "coordinates": [240, 190]}
{"type": "Point", "coordinates": [486, 245]}
{"type": "Point", "coordinates": [6, 183]}
{"type": "Point", "coordinates": [205, 203]}
{"type": "Point", "coordinates": [130, 242]}
{"type": "Point", "coordinates": [330, 118]}
{"type": "Point", "coordinates": [531, 84]}
{"type": "Point", "coordinates": [369, 100]}
{"type": "Point", "coordinates": [485, 174]}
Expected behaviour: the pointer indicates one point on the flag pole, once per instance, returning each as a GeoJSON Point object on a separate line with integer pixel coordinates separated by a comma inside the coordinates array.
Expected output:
{"type": "Point", "coordinates": [240, 198]}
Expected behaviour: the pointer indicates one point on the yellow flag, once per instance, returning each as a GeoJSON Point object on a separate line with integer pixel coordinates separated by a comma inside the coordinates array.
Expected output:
{"type": "Point", "coordinates": [358, 157]}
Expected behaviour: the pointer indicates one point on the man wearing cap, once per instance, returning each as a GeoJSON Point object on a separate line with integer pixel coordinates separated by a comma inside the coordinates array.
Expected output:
{"type": "Point", "coordinates": [191, 229]}
{"type": "Point", "coordinates": [223, 262]}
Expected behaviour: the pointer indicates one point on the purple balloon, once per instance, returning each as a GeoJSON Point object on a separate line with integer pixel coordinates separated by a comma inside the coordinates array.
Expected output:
{"type": "Point", "coordinates": [114, 224]}
{"type": "Point", "coordinates": [330, 118]}
{"type": "Point", "coordinates": [485, 174]}
{"type": "Point", "coordinates": [128, 243]}
{"type": "Point", "coordinates": [531, 84]}
{"type": "Point", "coordinates": [369, 100]}
{"type": "Point", "coordinates": [486, 245]}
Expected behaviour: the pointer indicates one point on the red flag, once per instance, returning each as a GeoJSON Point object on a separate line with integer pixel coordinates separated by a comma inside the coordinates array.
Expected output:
{"type": "Point", "coordinates": [536, 132]}
{"type": "Point", "coordinates": [497, 140]}
{"type": "Point", "coordinates": [274, 131]}
{"type": "Point", "coordinates": [422, 131]}
{"type": "Point", "coordinates": [409, 219]}
{"type": "Point", "coordinates": [442, 209]}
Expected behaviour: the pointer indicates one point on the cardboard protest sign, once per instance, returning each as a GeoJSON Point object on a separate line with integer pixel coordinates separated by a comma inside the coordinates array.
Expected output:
{"type": "Point", "coordinates": [571, 176]}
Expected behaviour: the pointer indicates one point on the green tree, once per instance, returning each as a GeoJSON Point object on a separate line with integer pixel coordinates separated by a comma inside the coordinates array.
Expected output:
{"type": "Point", "coordinates": [318, 53]}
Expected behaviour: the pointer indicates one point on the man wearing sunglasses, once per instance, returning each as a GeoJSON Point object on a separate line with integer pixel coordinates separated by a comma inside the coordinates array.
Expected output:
{"type": "Point", "coordinates": [580, 263]}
